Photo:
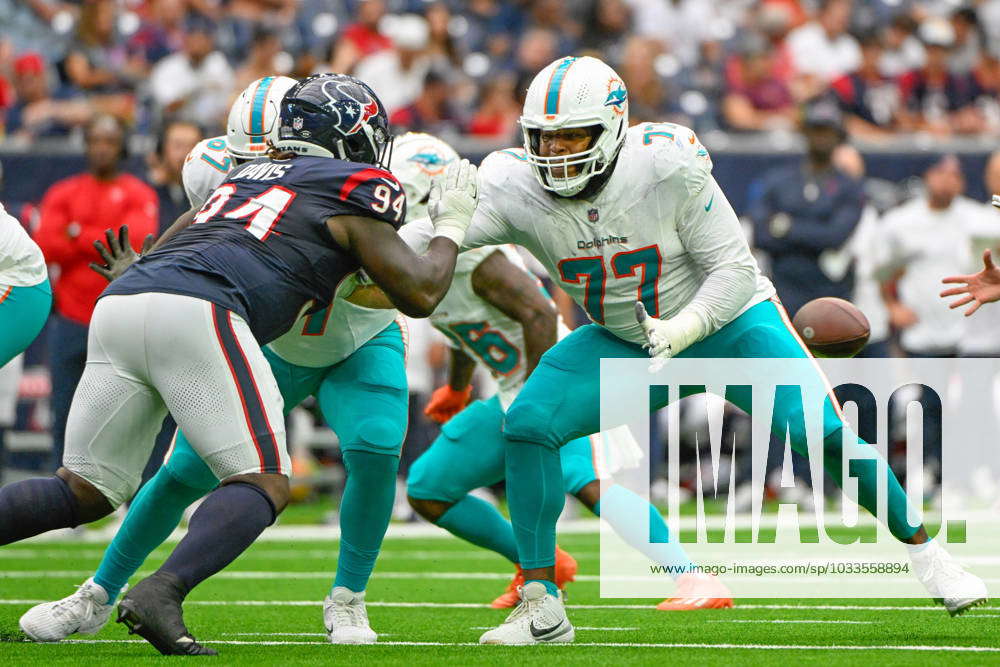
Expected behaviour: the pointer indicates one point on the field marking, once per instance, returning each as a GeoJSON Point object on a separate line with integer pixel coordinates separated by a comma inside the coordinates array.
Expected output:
{"type": "Point", "coordinates": [575, 627]}
{"type": "Point", "coordinates": [483, 605]}
{"type": "Point", "coordinates": [737, 647]}
{"type": "Point", "coordinates": [778, 620]}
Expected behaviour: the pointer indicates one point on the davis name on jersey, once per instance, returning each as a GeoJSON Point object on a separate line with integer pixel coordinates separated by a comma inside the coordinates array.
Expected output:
{"type": "Point", "coordinates": [260, 246]}
{"type": "Point", "coordinates": [653, 233]}
{"type": "Point", "coordinates": [205, 168]}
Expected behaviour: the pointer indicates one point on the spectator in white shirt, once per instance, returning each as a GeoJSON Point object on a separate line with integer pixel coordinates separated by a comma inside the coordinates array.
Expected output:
{"type": "Point", "coordinates": [822, 49]}
{"type": "Point", "coordinates": [926, 238]}
{"type": "Point", "coordinates": [194, 84]}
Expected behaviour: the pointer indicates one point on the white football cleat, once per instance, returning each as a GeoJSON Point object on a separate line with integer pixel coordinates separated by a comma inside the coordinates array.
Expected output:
{"type": "Point", "coordinates": [947, 581]}
{"type": "Point", "coordinates": [346, 618]}
{"type": "Point", "coordinates": [84, 612]}
{"type": "Point", "coordinates": [538, 619]}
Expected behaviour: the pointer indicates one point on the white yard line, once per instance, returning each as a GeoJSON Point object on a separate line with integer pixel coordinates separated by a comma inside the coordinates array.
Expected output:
{"type": "Point", "coordinates": [425, 530]}
{"type": "Point", "coordinates": [762, 620]}
{"type": "Point", "coordinates": [483, 605]}
{"type": "Point", "coordinates": [575, 627]}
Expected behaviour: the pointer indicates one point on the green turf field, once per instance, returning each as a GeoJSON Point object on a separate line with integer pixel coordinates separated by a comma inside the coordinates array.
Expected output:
{"type": "Point", "coordinates": [428, 599]}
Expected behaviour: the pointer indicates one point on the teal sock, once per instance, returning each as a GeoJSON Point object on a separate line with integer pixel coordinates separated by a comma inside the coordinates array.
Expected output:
{"type": "Point", "coordinates": [365, 512]}
{"type": "Point", "coordinates": [550, 586]}
{"type": "Point", "coordinates": [865, 470]}
{"type": "Point", "coordinates": [624, 512]}
{"type": "Point", "coordinates": [476, 521]}
{"type": "Point", "coordinates": [535, 495]}
{"type": "Point", "coordinates": [154, 513]}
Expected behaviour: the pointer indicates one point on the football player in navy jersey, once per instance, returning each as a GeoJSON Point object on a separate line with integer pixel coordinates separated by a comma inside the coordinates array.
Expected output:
{"type": "Point", "coordinates": [181, 331]}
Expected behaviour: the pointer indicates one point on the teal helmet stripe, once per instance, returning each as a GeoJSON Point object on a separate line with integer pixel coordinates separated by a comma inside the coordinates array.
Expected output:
{"type": "Point", "coordinates": [257, 110]}
{"type": "Point", "coordinates": [555, 83]}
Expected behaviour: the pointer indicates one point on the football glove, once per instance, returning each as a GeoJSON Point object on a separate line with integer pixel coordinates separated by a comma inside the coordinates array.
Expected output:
{"type": "Point", "coordinates": [118, 255]}
{"type": "Point", "coordinates": [667, 338]}
{"type": "Point", "coordinates": [446, 402]}
{"type": "Point", "coordinates": [452, 201]}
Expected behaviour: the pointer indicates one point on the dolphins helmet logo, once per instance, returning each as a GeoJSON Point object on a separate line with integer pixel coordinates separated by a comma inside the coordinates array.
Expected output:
{"type": "Point", "coordinates": [351, 104]}
{"type": "Point", "coordinates": [617, 96]}
{"type": "Point", "coordinates": [429, 161]}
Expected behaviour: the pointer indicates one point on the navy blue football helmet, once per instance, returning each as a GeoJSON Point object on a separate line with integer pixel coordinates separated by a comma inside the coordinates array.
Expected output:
{"type": "Point", "coordinates": [335, 115]}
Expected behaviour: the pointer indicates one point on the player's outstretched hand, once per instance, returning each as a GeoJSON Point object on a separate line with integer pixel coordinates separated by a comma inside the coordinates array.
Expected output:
{"type": "Point", "coordinates": [118, 255]}
{"type": "Point", "coordinates": [446, 402]}
{"type": "Point", "coordinates": [975, 288]}
{"type": "Point", "coordinates": [452, 200]}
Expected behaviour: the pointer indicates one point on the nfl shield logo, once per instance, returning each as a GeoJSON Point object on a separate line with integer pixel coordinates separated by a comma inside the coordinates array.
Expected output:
{"type": "Point", "coordinates": [592, 215]}
{"type": "Point", "coordinates": [297, 123]}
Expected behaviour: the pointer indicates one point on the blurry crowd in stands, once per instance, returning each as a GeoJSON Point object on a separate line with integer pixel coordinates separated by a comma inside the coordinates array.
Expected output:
{"type": "Point", "coordinates": [461, 67]}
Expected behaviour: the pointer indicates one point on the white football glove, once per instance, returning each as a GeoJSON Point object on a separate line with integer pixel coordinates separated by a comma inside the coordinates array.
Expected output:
{"type": "Point", "coordinates": [452, 201]}
{"type": "Point", "coordinates": [667, 338]}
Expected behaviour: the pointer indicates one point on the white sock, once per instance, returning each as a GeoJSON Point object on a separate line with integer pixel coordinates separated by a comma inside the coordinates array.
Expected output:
{"type": "Point", "coordinates": [919, 548]}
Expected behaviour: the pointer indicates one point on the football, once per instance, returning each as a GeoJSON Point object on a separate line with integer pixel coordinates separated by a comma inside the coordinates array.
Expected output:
{"type": "Point", "coordinates": [832, 327]}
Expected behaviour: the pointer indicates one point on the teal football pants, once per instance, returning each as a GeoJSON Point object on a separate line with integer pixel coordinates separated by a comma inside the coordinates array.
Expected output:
{"type": "Point", "coordinates": [469, 454]}
{"type": "Point", "coordinates": [23, 311]}
{"type": "Point", "coordinates": [561, 401]}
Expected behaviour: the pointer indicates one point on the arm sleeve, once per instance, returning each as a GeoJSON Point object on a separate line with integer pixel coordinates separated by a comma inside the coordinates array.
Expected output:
{"type": "Point", "coordinates": [714, 239]}
{"type": "Point", "coordinates": [368, 192]}
{"type": "Point", "coordinates": [488, 226]}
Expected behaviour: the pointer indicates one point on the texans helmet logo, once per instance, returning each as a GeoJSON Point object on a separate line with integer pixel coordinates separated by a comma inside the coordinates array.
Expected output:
{"type": "Point", "coordinates": [352, 105]}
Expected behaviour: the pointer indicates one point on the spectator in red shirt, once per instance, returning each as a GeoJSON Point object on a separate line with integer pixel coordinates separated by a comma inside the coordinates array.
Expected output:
{"type": "Point", "coordinates": [74, 213]}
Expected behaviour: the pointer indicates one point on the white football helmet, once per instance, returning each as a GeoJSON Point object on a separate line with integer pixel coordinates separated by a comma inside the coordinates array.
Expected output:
{"type": "Point", "coordinates": [254, 117]}
{"type": "Point", "coordinates": [575, 92]}
{"type": "Point", "coordinates": [417, 158]}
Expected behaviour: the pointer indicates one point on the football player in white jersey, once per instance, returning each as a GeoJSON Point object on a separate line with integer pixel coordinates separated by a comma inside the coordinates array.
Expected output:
{"type": "Point", "coordinates": [496, 314]}
{"type": "Point", "coordinates": [352, 360]}
{"type": "Point", "coordinates": [630, 222]}
{"type": "Point", "coordinates": [25, 293]}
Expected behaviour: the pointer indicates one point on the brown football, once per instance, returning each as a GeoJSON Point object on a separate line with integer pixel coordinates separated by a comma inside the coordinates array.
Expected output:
{"type": "Point", "coordinates": [832, 327]}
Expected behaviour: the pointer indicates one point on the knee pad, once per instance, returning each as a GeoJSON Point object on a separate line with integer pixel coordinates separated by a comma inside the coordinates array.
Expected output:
{"type": "Point", "coordinates": [530, 423]}
{"type": "Point", "coordinates": [378, 433]}
{"type": "Point", "coordinates": [426, 481]}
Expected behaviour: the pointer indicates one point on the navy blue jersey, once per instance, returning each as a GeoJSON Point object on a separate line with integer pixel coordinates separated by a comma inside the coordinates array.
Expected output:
{"type": "Point", "coordinates": [260, 246]}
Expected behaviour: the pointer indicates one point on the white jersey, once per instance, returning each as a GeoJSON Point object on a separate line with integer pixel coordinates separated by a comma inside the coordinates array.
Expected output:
{"type": "Point", "coordinates": [205, 167]}
{"type": "Point", "coordinates": [333, 334]}
{"type": "Point", "coordinates": [21, 261]}
{"type": "Point", "coordinates": [480, 329]}
{"type": "Point", "coordinates": [322, 339]}
{"type": "Point", "coordinates": [660, 231]}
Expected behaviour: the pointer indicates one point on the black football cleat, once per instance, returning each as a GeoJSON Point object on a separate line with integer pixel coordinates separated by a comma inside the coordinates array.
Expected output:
{"type": "Point", "coordinates": [152, 610]}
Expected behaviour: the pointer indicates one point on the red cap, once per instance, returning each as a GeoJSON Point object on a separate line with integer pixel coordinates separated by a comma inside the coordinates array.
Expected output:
{"type": "Point", "coordinates": [29, 63]}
